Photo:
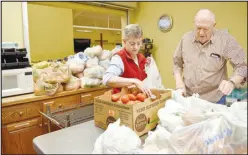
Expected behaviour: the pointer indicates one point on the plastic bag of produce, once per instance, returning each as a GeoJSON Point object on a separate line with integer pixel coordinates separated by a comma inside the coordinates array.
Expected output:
{"type": "Point", "coordinates": [94, 72]}
{"type": "Point", "coordinates": [76, 68]}
{"type": "Point", "coordinates": [56, 74]}
{"type": "Point", "coordinates": [73, 84]}
{"type": "Point", "coordinates": [79, 75]}
{"type": "Point", "coordinates": [222, 134]}
{"type": "Point", "coordinates": [43, 88]}
{"type": "Point", "coordinates": [117, 139]}
{"type": "Point", "coordinates": [87, 82]}
{"type": "Point", "coordinates": [106, 54]}
{"type": "Point", "coordinates": [36, 73]}
{"type": "Point", "coordinates": [41, 65]}
{"type": "Point", "coordinates": [94, 51]}
{"type": "Point", "coordinates": [104, 63]}
{"type": "Point", "coordinates": [77, 62]}
{"type": "Point", "coordinates": [157, 142]}
{"type": "Point", "coordinates": [92, 62]}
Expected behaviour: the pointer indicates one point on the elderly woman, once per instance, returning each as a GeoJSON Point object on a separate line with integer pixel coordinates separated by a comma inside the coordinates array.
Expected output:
{"type": "Point", "coordinates": [127, 67]}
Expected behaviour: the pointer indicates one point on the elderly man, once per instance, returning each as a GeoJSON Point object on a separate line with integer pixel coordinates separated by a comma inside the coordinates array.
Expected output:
{"type": "Point", "coordinates": [202, 55]}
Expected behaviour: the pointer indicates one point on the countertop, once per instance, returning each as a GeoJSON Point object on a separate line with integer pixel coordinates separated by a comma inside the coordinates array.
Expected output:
{"type": "Point", "coordinates": [78, 139]}
{"type": "Point", "coordinates": [7, 101]}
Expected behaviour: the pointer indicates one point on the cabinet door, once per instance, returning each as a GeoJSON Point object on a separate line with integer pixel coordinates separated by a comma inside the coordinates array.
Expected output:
{"type": "Point", "coordinates": [27, 136]}
{"type": "Point", "coordinates": [10, 142]}
{"type": "Point", "coordinates": [18, 137]}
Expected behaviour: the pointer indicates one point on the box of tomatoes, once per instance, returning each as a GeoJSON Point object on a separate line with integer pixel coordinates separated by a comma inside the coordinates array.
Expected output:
{"type": "Point", "coordinates": [134, 109]}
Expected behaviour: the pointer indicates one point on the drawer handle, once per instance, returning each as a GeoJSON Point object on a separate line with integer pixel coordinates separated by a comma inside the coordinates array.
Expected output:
{"type": "Point", "coordinates": [83, 96]}
{"type": "Point", "coordinates": [51, 102]}
{"type": "Point", "coordinates": [20, 114]}
{"type": "Point", "coordinates": [21, 125]}
{"type": "Point", "coordinates": [60, 106]}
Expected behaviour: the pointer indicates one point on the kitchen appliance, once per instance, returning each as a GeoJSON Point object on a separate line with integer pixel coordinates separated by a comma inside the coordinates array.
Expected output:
{"type": "Point", "coordinates": [12, 58]}
{"type": "Point", "coordinates": [17, 81]}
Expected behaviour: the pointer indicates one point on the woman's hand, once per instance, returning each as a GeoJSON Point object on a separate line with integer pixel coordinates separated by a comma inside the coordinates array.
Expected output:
{"type": "Point", "coordinates": [139, 84]}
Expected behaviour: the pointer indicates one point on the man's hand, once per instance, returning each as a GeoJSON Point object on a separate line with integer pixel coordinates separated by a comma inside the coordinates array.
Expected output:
{"type": "Point", "coordinates": [226, 87]}
{"type": "Point", "coordinates": [181, 86]}
{"type": "Point", "coordinates": [139, 84]}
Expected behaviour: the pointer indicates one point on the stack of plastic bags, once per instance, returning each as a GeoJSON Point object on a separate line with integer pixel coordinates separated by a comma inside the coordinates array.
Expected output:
{"type": "Point", "coordinates": [90, 65]}
{"type": "Point", "coordinates": [192, 125]}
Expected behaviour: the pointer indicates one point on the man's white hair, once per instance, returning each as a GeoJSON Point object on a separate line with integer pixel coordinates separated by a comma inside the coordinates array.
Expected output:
{"type": "Point", "coordinates": [205, 14]}
{"type": "Point", "coordinates": [133, 30]}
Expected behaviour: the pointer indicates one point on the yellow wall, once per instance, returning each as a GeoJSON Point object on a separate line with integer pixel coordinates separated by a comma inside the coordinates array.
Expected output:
{"type": "Point", "coordinates": [50, 32]}
{"type": "Point", "coordinates": [12, 26]}
{"type": "Point", "coordinates": [231, 15]}
{"type": "Point", "coordinates": [111, 36]}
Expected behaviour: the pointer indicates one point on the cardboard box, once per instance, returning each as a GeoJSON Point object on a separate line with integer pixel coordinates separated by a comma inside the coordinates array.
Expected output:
{"type": "Point", "coordinates": [141, 117]}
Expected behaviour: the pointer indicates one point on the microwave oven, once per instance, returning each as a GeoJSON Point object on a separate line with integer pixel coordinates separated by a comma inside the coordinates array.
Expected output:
{"type": "Point", "coordinates": [17, 81]}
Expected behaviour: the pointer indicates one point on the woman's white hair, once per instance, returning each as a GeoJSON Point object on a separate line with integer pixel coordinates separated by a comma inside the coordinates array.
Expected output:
{"type": "Point", "coordinates": [133, 30]}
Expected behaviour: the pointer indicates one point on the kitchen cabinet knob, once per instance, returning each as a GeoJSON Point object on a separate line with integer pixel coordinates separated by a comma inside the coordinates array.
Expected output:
{"type": "Point", "coordinates": [41, 125]}
{"type": "Point", "coordinates": [60, 105]}
{"type": "Point", "coordinates": [45, 123]}
{"type": "Point", "coordinates": [20, 113]}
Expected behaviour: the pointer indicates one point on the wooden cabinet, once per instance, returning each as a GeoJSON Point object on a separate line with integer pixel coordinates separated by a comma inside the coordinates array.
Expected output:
{"type": "Point", "coordinates": [18, 137]}
{"type": "Point", "coordinates": [20, 112]}
{"type": "Point", "coordinates": [61, 102]}
{"type": "Point", "coordinates": [22, 121]}
{"type": "Point", "coordinates": [88, 98]}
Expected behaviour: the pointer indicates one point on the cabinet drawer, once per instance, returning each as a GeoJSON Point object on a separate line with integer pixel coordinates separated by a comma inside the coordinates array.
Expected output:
{"type": "Point", "coordinates": [61, 102]}
{"type": "Point", "coordinates": [24, 124]}
{"type": "Point", "coordinates": [88, 98]}
{"type": "Point", "coordinates": [20, 112]}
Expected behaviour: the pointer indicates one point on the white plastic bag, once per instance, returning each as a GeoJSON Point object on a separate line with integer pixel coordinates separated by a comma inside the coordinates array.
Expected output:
{"type": "Point", "coordinates": [73, 84]}
{"type": "Point", "coordinates": [106, 54]}
{"type": "Point", "coordinates": [94, 51]}
{"type": "Point", "coordinates": [157, 142]}
{"type": "Point", "coordinates": [92, 62]}
{"type": "Point", "coordinates": [223, 133]}
{"type": "Point", "coordinates": [153, 79]}
{"type": "Point", "coordinates": [94, 72]}
{"type": "Point", "coordinates": [170, 121]}
{"type": "Point", "coordinates": [117, 139]}
{"type": "Point", "coordinates": [87, 82]}
{"type": "Point", "coordinates": [77, 62]}
{"type": "Point", "coordinates": [104, 63]}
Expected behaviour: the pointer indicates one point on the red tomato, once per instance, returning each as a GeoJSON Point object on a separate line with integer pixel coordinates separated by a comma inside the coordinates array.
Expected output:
{"type": "Point", "coordinates": [115, 97]}
{"type": "Point", "coordinates": [125, 99]}
{"type": "Point", "coordinates": [141, 97]}
{"type": "Point", "coordinates": [132, 97]}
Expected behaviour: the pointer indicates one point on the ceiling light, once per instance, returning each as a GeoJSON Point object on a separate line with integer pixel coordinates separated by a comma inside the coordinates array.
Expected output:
{"type": "Point", "coordinates": [87, 31]}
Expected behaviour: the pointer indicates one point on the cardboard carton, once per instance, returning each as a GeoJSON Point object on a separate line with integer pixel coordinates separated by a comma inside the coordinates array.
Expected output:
{"type": "Point", "coordinates": [141, 117]}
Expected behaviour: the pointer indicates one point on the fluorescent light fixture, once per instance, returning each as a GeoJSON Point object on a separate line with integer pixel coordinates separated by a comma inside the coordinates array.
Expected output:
{"type": "Point", "coordinates": [86, 31]}
{"type": "Point", "coordinates": [97, 28]}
